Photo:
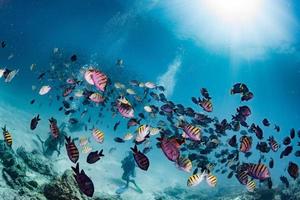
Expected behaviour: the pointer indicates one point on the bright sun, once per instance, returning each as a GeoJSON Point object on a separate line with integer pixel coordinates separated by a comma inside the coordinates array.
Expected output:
{"type": "Point", "coordinates": [234, 12]}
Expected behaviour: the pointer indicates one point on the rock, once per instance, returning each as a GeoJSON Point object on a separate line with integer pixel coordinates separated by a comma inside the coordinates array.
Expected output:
{"type": "Point", "coordinates": [36, 162]}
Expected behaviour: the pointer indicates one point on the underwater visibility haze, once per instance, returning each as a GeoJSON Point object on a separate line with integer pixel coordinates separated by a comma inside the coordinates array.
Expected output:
{"type": "Point", "coordinates": [149, 99]}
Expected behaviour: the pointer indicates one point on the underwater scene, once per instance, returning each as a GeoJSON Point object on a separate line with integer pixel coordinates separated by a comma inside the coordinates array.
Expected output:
{"type": "Point", "coordinates": [149, 99]}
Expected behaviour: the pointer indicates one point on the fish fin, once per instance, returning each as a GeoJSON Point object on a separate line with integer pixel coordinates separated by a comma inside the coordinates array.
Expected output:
{"type": "Point", "coordinates": [135, 150]}
{"type": "Point", "coordinates": [76, 169]}
{"type": "Point", "coordinates": [159, 139]}
{"type": "Point", "coordinates": [101, 153]}
{"type": "Point", "coordinates": [195, 171]}
{"type": "Point", "coordinates": [68, 139]}
{"type": "Point", "coordinates": [4, 128]}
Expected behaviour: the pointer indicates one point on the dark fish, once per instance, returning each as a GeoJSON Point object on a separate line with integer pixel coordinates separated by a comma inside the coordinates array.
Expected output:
{"type": "Point", "coordinates": [297, 153]}
{"type": "Point", "coordinates": [204, 93]}
{"type": "Point", "coordinates": [94, 156]}
{"type": "Point", "coordinates": [141, 160]}
{"type": "Point", "coordinates": [293, 170]}
{"type": "Point", "coordinates": [248, 154]}
{"type": "Point", "coordinates": [32, 101]}
{"type": "Point", "coordinates": [292, 133]}
{"type": "Point", "coordinates": [266, 122]}
{"type": "Point", "coordinates": [287, 140]}
{"type": "Point", "coordinates": [263, 147]}
{"type": "Point", "coordinates": [141, 115]}
{"type": "Point", "coordinates": [73, 58]}
{"type": "Point", "coordinates": [284, 181]}
{"type": "Point", "coordinates": [239, 88]}
{"type": "Point", "coordinates": [73, 121]}
{"type": "Point", "coordinates": [286, 151]}
{"type": "Point", "coordinates": [247, 96]}
{"type": "Point", "coordinates": [119, 140]}
{"type": "Point", "coordinates": [34, 122]}
{"type": "Point", "coordinates": [230, 175]}
{"type": "Point", "coordinates": [270, 183]}
{"type": "Point", "coordinates": [277, 128]}
{"type": "Point", "coordinates": [3, 44]}
{"type": "Point", "coordinates": [232, 141]}
{"type": "Point", "coordinates": [72, 150]}
{"type": "Point", "coordinates": [41, 75]}
{"type": "Point", "coordinates": [298, 133]}
{"type": "Point", "coordinates": [60, 109]}
{"type": "Point", "coordinates": [271, 163]}
{"type": "Point", "coordinates": [116, 125]}
{"type": "Point", "coordinates": [257, 130]}
{"type": "Point", "coordinates": [85, 184]}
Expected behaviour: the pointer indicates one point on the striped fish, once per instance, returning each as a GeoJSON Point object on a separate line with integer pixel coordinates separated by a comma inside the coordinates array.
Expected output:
{"type": "Point", "coordinates": [143, 132]}
{"type": "Point", "coordinates": [195, 180]}
{"type": "Point", "coordinates": [7, 136]}
{"type": "Point", "coordinates": [251, 186]}
{"type": "Point", "coordinates": [99, 79]}
{"type": "Point", "coordinates": [96, 97]}
{"type": "Point", "coordinates": [211, 180]}
{"type": "Point", "coordinates": [206, 105]}
{"type": "Point", "coordinates": [184, 164]}
{"type": "Point", "coordinates": [98, 135]}
{"type": "Point", "coordinates": [170, 147]}
{"type": "Point", "coordinates": [258, 171]}
{"type": "Point", "coordinates": [86, 149]}
{"type": "Point", "coordinates": [192, 132]}
{"type": "Point", "coordinates": [242, 177]}
{"type": "Point", "coordinates": [72, 150]}
{"type": "Point", "coordinates": [141, 159]}
{"type": "Point", "coordinates": [53, 127]}
{"type": "Point", "coordinates": [246, 143]}
{"type": "Point", "coordinates": [273, 144]}
{"type": "Point", "coordinates": [125, 108]}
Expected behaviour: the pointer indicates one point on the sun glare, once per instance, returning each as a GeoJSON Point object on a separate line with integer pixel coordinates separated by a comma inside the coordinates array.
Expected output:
{"type": "Point", "coordinates": [234, 12]}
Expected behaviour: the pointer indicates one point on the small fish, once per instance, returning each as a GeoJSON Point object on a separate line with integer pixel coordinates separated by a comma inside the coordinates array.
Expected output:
{"type": "Point", "coordinates": [211, 180]}
{"type": "Point", "coordinates": [230, 175]}
{"type": "Point", "coordinates": [184, 164]}
{"type": "Point", "coordinates": [233, 141]}
{"type": "Point", "coordinates": [147, 150]}
{"type": "Point", "coordinates": [44, 90]}
{"type": "Point", "coordinates": [292, 133]}
{"type": "Point", "coordinates": [73, 58]}
{"type": "Point", "coordinates": [277, 128]}
{"type": "Point", "coordinates": [266, 122]}
{"type": "Point", "coordinates": [98, 135]}
{"type": "Point", "coordinates": [287, 140]}
{"type": "Point", "coordinates": [133, 122]}
{"type": "Point", "coordinates": [195, 179]}
{"type": "Point", "coordinates": [127, 136]}
{"type": "Point", "coordinates": [83, 141]}
{"type": "Point", "coordinates": [94, 156]}
{"type": "Point", "coordinates": [32, 101]}
{"type": "Point", "coordinates": [285, 181]}
{"type": "Point", "coordinates": [297, 153]}
{"type": "Point", "coordinates": [242, 177]}
{"type": "Point", "coordinates": [271, 163]}
{"type": "Point", "coordinates": [273, 144]}
{"type": "Point", "coordinates": [141, 159]}
{"type": "Point", "coordinates": [86, 149]}
{"type": "Point", "coordinates": [293, 170]}
{"type": "Point", "coordinates": [119, 140]}
{"type": "Point", "coordinates": [148, 109]}
{"type": "Point", "coordinates": [7, 136]}
{"type": "Point", "coordinates": [251, 186]}
{"type": "Point", "coordinates": [286, 151]}
{"type": "Point", "coordinates": [3, 44]}
{"type": "Point", "coordinates": [85, 184]}
{"type": "Point", "coordinates": [116, 125]}
{"type": "Point", "coordinates": [34, 122]}
{"type": "Point", "coordinates": [246, 143]}
{"type": "Point", "coordinates": [72, 150]}
{"type": "Point", "coordinates": [53, 127]}
{"type": "Point", "coordinates": [190, 131]}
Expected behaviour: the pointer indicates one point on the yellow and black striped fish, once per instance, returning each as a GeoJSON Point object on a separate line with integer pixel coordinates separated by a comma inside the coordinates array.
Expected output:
{"type": "Point", "coordinates": [251, 186]}
{"type": "Point", "coordinates": [194, 180]}
{"type": "Point", "coordinates": [192, 132]}
{"type": "Point", "coordinates": [184, 163]}
{"type": "Point", "coordinates": [7, 136]}
{"type": "Point", "coordinates": [211, 180]}
{"type": "Point", "coordinates": [98, 135]}
{"type": "Point", "coordinates": [246, 143]}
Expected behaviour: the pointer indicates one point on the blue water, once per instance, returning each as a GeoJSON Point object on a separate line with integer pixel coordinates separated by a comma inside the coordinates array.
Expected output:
{"type": "Point", "coordinates": [152, 37]}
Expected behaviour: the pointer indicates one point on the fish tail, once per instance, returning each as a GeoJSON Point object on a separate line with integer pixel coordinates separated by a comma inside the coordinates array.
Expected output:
{"type": "Point", "coordinates": [135, 150]}
{"type": "Point", "coordinates": [4, 128]}
{"type": "Point", "coordinates": [76, 169]}
{"type": "Point", "coordinates": [101, 153]}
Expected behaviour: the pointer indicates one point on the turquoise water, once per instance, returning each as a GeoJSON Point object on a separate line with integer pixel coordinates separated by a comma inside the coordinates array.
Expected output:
{"type": "Point", "coordinates": [182, 46]}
